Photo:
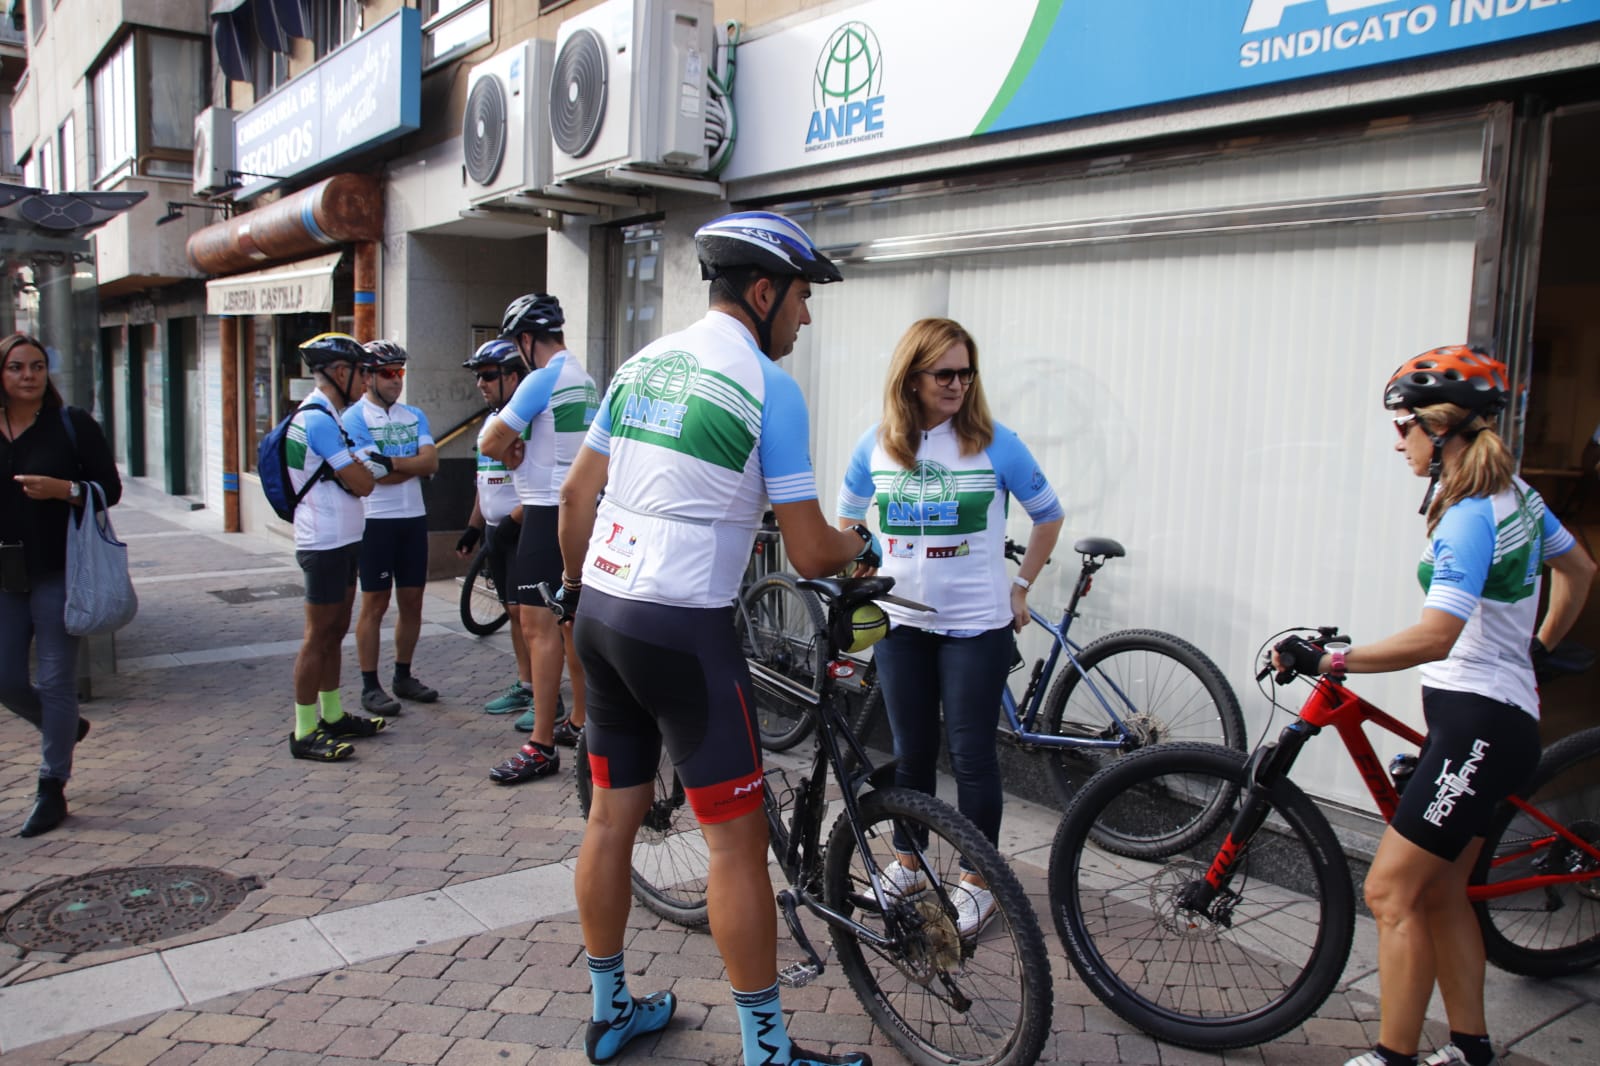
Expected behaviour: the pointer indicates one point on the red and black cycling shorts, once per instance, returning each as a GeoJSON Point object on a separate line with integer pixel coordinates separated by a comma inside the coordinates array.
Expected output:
{"type": "Point", "coordinates": [669, 675]}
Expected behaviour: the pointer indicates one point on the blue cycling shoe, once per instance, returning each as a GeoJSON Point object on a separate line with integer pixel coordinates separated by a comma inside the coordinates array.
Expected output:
{"type": "Point", "coordinates": [800, 1057]}
{"type": "Point", "coordinates": [605, 1040]}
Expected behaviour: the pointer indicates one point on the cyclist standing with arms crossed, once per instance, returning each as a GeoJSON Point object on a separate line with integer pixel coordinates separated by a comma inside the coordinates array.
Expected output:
{"type": "Point", "coordinates": [696, 433]}
{"type": "Point", "coordinates": [941, 470]}
{"type": "Point", "coordinates": [1489, 538]}
{"type": "Point", "coordinates": [536, 435]}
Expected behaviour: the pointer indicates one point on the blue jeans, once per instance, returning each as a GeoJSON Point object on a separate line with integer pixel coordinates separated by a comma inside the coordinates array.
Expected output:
{"type": "Point", "coordinates": [50, 703]}
{"type": "Point", "coordinates": [919, 671]}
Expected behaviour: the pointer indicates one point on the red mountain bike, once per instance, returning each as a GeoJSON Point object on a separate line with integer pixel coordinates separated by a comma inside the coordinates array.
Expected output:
{"type": "Point", "coordinates": [1241, 925]}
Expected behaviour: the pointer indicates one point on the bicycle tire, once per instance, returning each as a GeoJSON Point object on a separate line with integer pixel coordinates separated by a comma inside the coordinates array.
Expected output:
{"type": "Point", "coordinates": [1165, 690]}
{"type": "Point", "coordinates": [1553, 931]}
{"type": "Point", "coordinates": [671, 862]}
{"type": "Point", "coordinates": [482, 613]}
{"type": "Point", "coordinates": [1192, 978]}
{"type": "Point", "coordinates": [783, 627]}
{"type": "Point", "coordinates": [1004, 970]}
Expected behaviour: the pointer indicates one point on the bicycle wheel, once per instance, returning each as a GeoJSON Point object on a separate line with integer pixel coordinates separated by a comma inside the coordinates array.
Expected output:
{"type": "Point", "coordinates": [1553, 930]}
{"type": "Point", "coordinates": [782, 627]}
{"type": "Point", "coordinates": [671, 863]}
{"type": "Point", "coordinates": [940, 998]}
{"type": "Point", "coordinates": [482, 613]}
{"type": "Point", "coordinates": [1164, 689]}
{"type": "Point", "coordinates": [1255, 963]}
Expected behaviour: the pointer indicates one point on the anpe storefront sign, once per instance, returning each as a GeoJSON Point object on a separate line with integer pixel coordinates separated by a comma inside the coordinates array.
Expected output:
{"type": "Point", "coordinates": [367, 92]}
{"type": "Point", "coordinates": [874, 79]}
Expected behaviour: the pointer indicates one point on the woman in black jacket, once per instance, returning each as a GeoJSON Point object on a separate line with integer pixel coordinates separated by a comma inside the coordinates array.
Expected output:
{"type": "Point", "coordinates": [42, 477]}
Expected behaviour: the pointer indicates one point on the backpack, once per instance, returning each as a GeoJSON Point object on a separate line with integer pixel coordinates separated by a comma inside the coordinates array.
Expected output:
{"type": "Point", "coordinates": [272, 465]}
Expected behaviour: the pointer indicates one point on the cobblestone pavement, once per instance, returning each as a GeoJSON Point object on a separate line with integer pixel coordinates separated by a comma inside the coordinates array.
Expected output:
{"type": "Point", "coordinates": [187, 764]}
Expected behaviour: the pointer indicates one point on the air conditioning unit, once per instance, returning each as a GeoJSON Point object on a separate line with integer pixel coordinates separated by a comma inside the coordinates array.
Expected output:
{"type": "Point", "coordinates": [213, 150]}
{"type": "Point", "coordinates": [629, 88]}
{"type": "Point", "coordinates": [503, 140]}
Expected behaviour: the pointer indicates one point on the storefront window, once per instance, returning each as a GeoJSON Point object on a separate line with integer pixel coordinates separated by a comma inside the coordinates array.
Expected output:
{"type": "Point", "coordinates": [278, 379]}
{"type": "Point", "coordinates": [637, 291]}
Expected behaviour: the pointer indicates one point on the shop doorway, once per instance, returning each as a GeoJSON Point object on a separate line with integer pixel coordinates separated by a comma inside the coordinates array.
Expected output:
{"type": "Point", "coordinates": [1564, 389]}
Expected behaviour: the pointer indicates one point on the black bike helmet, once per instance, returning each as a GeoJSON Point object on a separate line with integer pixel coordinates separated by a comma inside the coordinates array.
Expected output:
{"type": "Point", "coordinates": [1466, 377]}
{"type": "Point", "coordinates": [384, 353]}
{"type": "Point", "coordinates": [499, 352]}
{"type": "Point", "coordinates": [761, 241]}
{"type": "Point", "coordinates": [327, 348]}
{"type": "Point", "coordinates": [537, 312]}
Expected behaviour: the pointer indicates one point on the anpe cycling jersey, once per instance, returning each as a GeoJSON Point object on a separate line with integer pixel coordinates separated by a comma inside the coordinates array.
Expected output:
{"type": "Point", "coordinates": [702, 429]}
{"type": "Point", "coordinates": [1483, 565]}
{"type": "Point", "coordinates": [497, 493]}
{"type": "Point", "coordinates": [551, 409]}
{"type": "Point", "coordinates": [328, 516]}
{"type": "Point", "coordinates": [943, 522]}
{"type": "Point", "coordinates": [398, 431]}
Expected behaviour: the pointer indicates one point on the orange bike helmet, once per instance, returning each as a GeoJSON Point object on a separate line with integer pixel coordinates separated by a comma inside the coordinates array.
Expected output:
{"type": "Point", "coordinates": [1466, 377]}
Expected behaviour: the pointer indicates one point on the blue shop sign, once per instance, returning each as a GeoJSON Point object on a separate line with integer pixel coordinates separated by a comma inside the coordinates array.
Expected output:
{"type": "Point", "coordinates": [367, 92]}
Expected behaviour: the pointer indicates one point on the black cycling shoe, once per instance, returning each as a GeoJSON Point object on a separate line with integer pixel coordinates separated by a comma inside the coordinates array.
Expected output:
{"type": "Point", "coordinates": [526, 765]}
{"type": "Point", "coordinates": [605, 1040]}
{"type": "Point", "coordinates": [798, 1057]}
{"type": "Point", "coordinates": [409, 688]}
{"type": "Point", "coordinates": [376, 701]}
{"type": "Point", "coordinates": [354, 725]}
{"type": "Point", "coordinates": [319, 745]}
{"type": "Point", "coordinates": [566, 734]}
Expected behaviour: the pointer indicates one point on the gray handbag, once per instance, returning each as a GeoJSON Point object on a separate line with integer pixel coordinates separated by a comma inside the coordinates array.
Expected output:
{"type": "Point", "coordinates": [100, 596]}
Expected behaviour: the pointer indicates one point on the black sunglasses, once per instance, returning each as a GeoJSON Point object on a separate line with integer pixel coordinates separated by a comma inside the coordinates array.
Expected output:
{"type": "Point", "coordinates": [490, 375]}
{"type": "Point", "coordinates": [948, 376]}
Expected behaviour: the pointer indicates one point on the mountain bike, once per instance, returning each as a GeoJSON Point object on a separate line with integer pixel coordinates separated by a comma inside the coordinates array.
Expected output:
{"type": "Point", "coordinates": [1125, 691]}
{"type": "Point", "coordinates": [939, 996]}
{"type": "Point", "coordinates": [1239, 929]}
{"type": "Point", "coordinates": [780, 627]}
{"type": "Point", "coordinates": [482, 613]}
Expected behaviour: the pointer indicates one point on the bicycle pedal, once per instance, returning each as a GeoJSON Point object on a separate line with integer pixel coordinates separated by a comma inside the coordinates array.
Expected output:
{"type": "Point", "coordinates": [798, 974]}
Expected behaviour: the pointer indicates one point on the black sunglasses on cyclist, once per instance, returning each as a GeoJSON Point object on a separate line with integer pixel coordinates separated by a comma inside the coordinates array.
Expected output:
{"type": "Point", "coordinates": [949, 376]}
{"type": "Point", "coordinates": [1403, 424]}
{"type": "Point", "coordinates": [490, 375]}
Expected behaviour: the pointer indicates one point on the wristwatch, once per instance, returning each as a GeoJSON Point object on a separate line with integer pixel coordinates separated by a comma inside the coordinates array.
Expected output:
{"type": "Point", "coordinates": [74, 490]}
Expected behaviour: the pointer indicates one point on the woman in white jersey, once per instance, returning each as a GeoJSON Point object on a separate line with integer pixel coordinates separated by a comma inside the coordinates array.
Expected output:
{"type": "Point", "coordinates": [939, 469]}
{"type": "Point", "coordinates": [1489, 538]}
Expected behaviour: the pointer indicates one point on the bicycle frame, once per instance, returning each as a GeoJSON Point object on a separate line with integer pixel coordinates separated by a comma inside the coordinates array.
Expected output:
{"type": "Point", "coordinates": [1331, 704]}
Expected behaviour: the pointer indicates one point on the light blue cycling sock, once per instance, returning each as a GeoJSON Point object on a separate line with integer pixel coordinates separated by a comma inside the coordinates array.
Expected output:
{"type": "Point", "coordinates": [608, 985]}
{"type": "Point", "coordinates": [766, 1037]}
{"type": "Point", "coordinates": [615, 1016]}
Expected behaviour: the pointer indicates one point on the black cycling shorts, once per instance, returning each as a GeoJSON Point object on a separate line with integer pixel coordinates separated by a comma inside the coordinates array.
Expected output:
{"type": "Point", "coordinates": [673, 675]}
{"type": "Point", "coordinates": [394, 551]}
{"type": "Point", "coordinates": [330, 572]}
{"type": "Point", "coordinates": [500, 547]}
{"type": "Point", "coordinates": [538, 556]}
{"type": "Point", "coordinates": [1478, 752]}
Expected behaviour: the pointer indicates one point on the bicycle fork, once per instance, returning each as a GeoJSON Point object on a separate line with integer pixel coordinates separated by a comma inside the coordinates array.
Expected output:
{"type": "Point", "coordinates": [1211, 895]}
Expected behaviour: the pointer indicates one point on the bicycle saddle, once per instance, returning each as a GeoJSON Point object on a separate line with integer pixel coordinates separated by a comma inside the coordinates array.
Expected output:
{"type": "Point", "coordinates": [1099, 546]}
{"type": "Point", "coordinates": [849, 591]}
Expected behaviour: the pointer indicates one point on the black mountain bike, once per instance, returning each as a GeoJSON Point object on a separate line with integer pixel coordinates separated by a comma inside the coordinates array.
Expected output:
{"type": "Point", "coordinates": [939, 996]}
{"type": "Point", "coordinates": [780, 627]}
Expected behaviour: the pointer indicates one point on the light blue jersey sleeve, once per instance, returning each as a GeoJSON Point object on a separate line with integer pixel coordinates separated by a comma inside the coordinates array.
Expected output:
{"type": "Point", "coordinates": [325, 440]}
{"type": "Point", "coordinates": [424, 432]}
{"type": "Point", "coordinates": [599, 435]}
{"type": "Point", "coordinates": [855, 494]}
{"type": "Point", "coordinates": [1463, 548]}
{"type": "Point", "coordinates": [532, 397]}
{"type": "Point", "coordinates": [785, 444]}
{"type": "Point", "coordinates": [1016, 472]}
{"type": "Point", "coordinates": [1557, 540]}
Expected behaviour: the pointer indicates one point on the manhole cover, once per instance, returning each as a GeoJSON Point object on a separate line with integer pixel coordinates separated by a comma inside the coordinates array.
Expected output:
{"type": "Point", "coordinates": [256, 595]}
{"type": "Point", "coordinates": [121, 907]}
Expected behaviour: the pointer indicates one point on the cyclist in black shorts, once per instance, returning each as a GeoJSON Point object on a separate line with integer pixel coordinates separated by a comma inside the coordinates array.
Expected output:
{"type": "Point", "coordinates": [696, 433]}
{"type": "Point", "coordinates": [1489, 538]}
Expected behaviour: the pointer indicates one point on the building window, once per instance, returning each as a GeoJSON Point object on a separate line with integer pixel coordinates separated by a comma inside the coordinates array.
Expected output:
{"type": "Point", "coordinates": [551, 5]}
{"type": "Point", "coordinates": [451, 28]}
{"type": "Point", "coordinates": [36, 10]}
{"type": "Point", "coordinates": [150, 131]}
{"type": "Point", "coordinates": [47, 167]}
{"type": "Point", "coordinates": [333, 22]}
{"type": "Point", "coordinates": [637, 291]}
{"type": "Point", "coordinates": [67, 152]}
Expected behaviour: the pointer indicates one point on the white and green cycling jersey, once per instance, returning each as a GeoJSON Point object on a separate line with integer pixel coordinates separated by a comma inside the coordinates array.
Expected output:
{"type": "Point", "coordinates": [551, 410]}
{"type": "Point", "coordinates": [702, 429]}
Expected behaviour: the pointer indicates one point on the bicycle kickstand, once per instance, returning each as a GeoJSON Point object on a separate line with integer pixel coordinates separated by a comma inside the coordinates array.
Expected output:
{"type": "Point", "coordinates": [798, 974]}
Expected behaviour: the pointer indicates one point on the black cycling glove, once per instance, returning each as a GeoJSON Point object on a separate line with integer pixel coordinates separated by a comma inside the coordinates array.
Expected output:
{"type": "Point", "coordinates": [565, 602]}
{"type": "Point", "coordinates": [1541, 658]}
{"type": "Point", "coordinates": [469, 539]}
{"type": "Point", "coordinates": [1300, 655]}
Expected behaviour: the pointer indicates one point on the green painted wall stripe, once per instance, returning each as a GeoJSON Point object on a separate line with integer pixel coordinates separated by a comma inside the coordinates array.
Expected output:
{"type": "Point", "coordinates": [1044, 20]}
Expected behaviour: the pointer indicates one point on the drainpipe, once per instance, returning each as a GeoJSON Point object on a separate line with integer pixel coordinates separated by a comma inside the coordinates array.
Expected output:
{"type": "Point", "coordinates": [343, 209]}
{"type": "Point", "coordinates": [230, 424]}
{"type": "Point", "coordinates": [366, 291]}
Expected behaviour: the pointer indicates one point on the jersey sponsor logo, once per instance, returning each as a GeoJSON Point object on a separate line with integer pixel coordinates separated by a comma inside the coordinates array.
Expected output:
{"type": "Point", "coordinates": [621, 547]}
{"type": "Point", "coordinates": [1445, 568]}
{"type": "Point", "coordinates": [1452, 786]}
{"type": "Point", "coordinates": [954, 551]}
{"type": "Point", "coordinates": [660, 400]}
{"type": "Point", "coordinates": [925, 495]}
{"type": "Point", "coordinates": [747, 788]}
{"type": "Point", "coordinates": [900, 548]}
{"type": "Point", "coordinates": [615, 569]}
{"type": "Point", "coordinates": [656, 416]}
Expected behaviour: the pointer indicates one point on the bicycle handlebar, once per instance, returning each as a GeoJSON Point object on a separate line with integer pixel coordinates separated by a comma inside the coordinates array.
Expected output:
{"type": "Point", "coordinates": [1015, 552]}
{"type": "Point", "coordinates": [1325, 635]}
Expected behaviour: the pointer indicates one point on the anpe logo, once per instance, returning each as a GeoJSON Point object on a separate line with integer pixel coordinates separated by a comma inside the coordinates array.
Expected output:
{"type": "Point", "coordinates": [664, 388]}
{"type": "Point", "coordinates": [925, 495]}
{"type": "Point", "coordinates": [847, 89]}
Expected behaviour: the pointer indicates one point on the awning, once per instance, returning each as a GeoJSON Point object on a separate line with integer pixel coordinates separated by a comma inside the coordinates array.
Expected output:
{"type": "Point", "coordinates": [284, 290]}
